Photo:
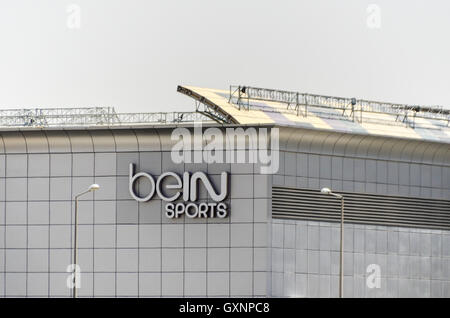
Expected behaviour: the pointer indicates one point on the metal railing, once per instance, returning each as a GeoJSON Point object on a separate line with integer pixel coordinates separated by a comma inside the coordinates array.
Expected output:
{"type": "Point", "coordinates": [90, 116]}
{"type": "Point", "coordinates": [352, 109]}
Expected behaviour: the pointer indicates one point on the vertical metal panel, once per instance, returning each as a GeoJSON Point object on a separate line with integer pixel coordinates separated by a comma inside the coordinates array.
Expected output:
{"type": "Point", "coordinates": [125, 140]}
{"type": "Point", "coordinates": [375, 147]}
{"type": "Point", "coordinates": [317, 142]}
{"type": "Point", "coordinates": [290, 139]}
{"type": "Point", "coordinates": [364, 145]}
{"type": "Point", "coordinates": [442, 155]}
{"type": "Point", "coordinates": [340, 146]}
{"type": "Point", "coordinates": [14, 142]}
{"type": "Point", "coordinates": [36, 141]}
{"type": "Point", "coordinates": [329, 143]}
{"type": "Point", "coordinates": [103, 140]}
{"type": "Point", "coordinates": [304, 144]}
{"type": "Point", "coordinates": [385, 151]}
{"type": "Point", "coordinates": [351, 147]}
{"type": "Point", "coordinates": [80, 141]}
{"type": "Point", "coordinates": [148, 139]}
{"type": "Point", "coordinates": [165, 138]}
{"type": "Point", "coordinates": [2, 144]}
{"type": "Point", "coordinates": [58, 141]}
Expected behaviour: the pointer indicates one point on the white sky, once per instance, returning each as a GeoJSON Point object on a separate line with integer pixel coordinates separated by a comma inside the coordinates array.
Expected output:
{"type": "Point", "coordinates": [132, 54]}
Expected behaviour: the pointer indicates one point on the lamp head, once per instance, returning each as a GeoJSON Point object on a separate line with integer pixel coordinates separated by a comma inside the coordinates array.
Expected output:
{"type": "Point", "coordinates": [329, 192]}
{"type": "Point", "coordinates": [94, 187]}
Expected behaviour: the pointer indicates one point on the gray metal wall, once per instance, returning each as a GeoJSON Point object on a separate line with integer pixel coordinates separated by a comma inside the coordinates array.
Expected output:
{"type": "Point", "coordinates": [125, 248]}
{"type": "Point", "coordinates": [131, 249]}
{"type": "Point", "coordinates": [305, 260]}
{"type": "Point", "coordinates": [363, 163]}
{"type": "Point", "coordinates": [413, 262]}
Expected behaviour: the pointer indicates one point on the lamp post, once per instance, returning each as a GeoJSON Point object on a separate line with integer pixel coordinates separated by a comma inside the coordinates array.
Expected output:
{"type": "Point", "coordinates": [341, 262]}
{"type": "Point", "coordinates": [91, 188]}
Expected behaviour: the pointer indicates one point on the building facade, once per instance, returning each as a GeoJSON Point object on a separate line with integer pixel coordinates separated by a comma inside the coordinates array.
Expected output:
{"type": "Point", "coordinates": [272, 243]}
{"type": "Point", "coordinates": [241, 219]}
{"type": "Point", "coordinates": [395, 190]}
{"type": "Point", "coordinates": [126, 247]}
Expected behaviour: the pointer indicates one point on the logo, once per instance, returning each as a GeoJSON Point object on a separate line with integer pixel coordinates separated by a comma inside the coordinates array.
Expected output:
{"type": "Point", "coordinates": [374, 278]}
{"type": "Point", "coordinates": [232, 145]}
{"type": "Point", "coordinates": [374, 16]}
{"type": "Point", "coordinates": [74, 16]}
{"type": "Point", "coordinates": [74, 278]}
{"type": "Point", "coordinates": [186, 189]}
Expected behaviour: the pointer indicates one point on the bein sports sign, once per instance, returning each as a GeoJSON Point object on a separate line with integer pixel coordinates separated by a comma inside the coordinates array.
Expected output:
{"type": "Point", "coordinates": [186, 188]}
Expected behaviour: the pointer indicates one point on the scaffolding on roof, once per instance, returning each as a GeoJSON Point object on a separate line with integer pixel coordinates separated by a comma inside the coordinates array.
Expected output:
{"type": "Point", "coordinates": [342, 108]}
{"type": "Point", "coordinates": [90, 116]}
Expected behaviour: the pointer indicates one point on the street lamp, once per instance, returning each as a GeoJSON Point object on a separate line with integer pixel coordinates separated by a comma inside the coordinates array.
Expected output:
{"type": "Point", "coordinates": [91, 188]}
{"type": "Point", "coordinates": [327, 191]}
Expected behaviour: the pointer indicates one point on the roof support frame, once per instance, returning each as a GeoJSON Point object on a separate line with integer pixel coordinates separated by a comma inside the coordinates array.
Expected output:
{"type": "Point", "coordinates": [344, 108]}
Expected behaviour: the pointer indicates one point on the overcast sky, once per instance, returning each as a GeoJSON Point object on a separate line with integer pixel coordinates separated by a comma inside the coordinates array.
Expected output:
{"type": "Point", "coordinates": [132, 54]}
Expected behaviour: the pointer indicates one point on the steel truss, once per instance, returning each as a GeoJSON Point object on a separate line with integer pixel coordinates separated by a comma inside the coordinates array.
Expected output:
{"type": "Point", "coordinates": [207, 108]}
{"type": "Point", "coordinates": [352, 109]}
{"type": "Point", "coordinates": [92, 116]}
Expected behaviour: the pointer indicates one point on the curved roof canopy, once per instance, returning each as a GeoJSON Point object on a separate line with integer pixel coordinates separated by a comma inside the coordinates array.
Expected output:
{"type": "Point", "coordinates": [257, 106]}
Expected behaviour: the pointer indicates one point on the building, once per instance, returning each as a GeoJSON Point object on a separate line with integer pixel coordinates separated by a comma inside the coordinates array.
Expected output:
{"type": "Point", "coordinates": [278, 236]}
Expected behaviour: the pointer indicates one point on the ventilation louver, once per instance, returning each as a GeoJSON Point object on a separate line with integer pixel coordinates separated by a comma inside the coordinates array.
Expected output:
{"type": "Point", "coordinates": [360, 208]}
